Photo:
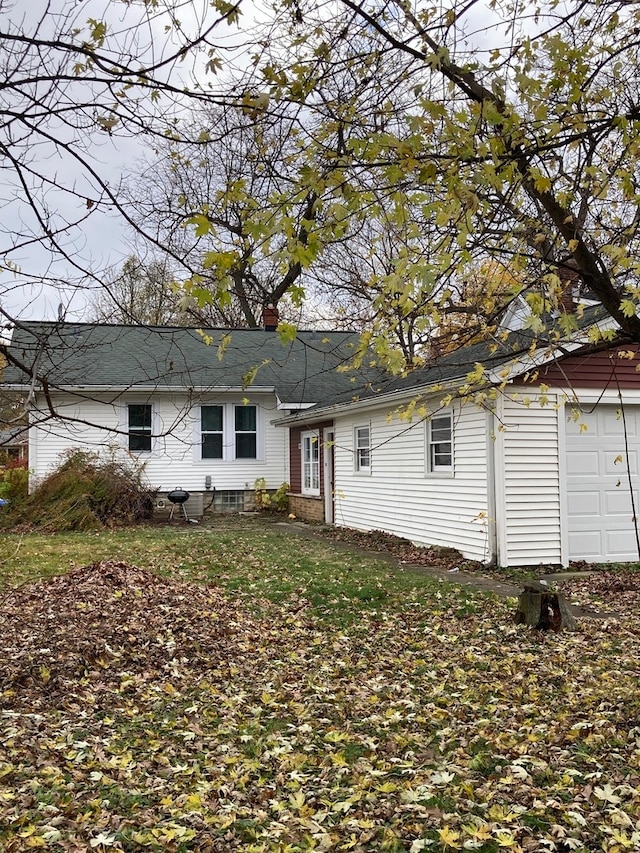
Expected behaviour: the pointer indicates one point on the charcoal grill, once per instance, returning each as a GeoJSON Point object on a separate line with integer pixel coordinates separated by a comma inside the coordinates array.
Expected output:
{"type": "Point", "coordinates": [178, 498]}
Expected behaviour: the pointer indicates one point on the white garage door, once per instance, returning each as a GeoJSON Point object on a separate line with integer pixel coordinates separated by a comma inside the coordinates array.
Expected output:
{"type": "Point", "coordinates": [601, 525]}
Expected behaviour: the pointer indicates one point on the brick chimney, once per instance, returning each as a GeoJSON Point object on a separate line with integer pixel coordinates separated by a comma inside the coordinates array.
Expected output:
{"type": "Point", "coordinates": [570, 281]}
{"type": "Point", "coordinates": [270, 318]}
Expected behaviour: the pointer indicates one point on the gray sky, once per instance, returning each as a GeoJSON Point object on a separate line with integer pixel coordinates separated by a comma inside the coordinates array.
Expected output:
{"type": "Point", "coordinates": [46, 177]}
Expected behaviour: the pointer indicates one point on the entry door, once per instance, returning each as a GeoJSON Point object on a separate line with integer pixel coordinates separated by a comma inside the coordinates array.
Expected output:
{"type": "Point", "coordinates": [600, 508]}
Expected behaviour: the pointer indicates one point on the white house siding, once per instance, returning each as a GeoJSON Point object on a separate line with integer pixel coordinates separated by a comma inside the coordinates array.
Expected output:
{"type": "Point", "coordinates": [174, 460]}
{"type": "Point", "coordinates": [400, 497]}
{"type": "Point", "coordinates": [528, 482]}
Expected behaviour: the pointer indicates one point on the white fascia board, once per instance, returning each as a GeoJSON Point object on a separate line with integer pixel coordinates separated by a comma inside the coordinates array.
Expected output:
{"type": "Point", "coordinates": [591, 396]}
{"type": "Point", "coordinates": [200, 389]}
{"type": "Point", "coordinates": [281, 405]}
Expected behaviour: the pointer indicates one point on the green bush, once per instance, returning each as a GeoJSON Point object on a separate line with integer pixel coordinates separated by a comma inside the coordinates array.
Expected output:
{"type": "Point", "coordinates": [277, 500]}
{"type": "Point", "coordinates": [86, 492]}
{"type": "Point", "coordinates": [14, 480]}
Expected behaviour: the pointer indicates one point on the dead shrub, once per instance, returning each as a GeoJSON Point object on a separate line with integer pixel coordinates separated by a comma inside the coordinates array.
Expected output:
{"type": "Point", "coordinates": [86, 492]}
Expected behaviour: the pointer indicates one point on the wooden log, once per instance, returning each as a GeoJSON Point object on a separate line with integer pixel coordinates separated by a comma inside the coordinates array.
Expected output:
{"type": "Point", "coordinates": [544, 608]}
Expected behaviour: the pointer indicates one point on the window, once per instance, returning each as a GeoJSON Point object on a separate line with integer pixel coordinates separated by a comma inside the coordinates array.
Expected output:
{"type": "Point", "coordinates": [246, 432]}
{"type": "Point", "coordinates": [440, 443]}
{"type": "Point", "coordinates": [212, 431]}
{"type": "Point", "coordinates": [310, 446]}
{"type": "Point", "coordinates": [229, 501]}
{"type": "Point", "coordinates": [227, 432]}
{"type": "Point", "coordinates": [362, 442]}
{"type": "Point", "coordinates": [139, 428]}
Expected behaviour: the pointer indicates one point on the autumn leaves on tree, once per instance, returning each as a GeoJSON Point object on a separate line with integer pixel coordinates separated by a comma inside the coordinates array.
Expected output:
{"type": "Point", "coordinates": [336, 157]}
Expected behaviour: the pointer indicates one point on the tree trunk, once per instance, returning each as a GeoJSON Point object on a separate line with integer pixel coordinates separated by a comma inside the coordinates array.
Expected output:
{"type": "Point", "coordinates": [544, 609]}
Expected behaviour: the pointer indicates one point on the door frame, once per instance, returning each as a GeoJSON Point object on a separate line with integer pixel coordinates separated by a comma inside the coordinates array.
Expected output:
{"type": "Point", "coordinates": [328, 436]}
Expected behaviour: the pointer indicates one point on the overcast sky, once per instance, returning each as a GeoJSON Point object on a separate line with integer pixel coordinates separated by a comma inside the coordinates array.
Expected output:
{"type": "Point", "coordinates": [98, 238]}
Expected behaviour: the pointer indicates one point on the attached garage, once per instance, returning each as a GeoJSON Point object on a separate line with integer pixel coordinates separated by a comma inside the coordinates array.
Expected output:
{"type": "Point", "coordinates": [599, 458]}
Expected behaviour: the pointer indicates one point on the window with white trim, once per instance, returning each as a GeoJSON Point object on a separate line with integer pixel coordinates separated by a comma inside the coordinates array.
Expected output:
{"type": "Point", "coordinates": [362, 447]}
{"type": "Point", "coordinates": [212, 432]}
{"type": "Point", "coordinates": [228, 431]}
{"type": "Point", "coordinates": [139, 421]}
{"type": "Point", "coordinates": [310, 450]}
{"type": "Point", "coordinates": [440, 443]}
{"type": "Point", "coordinates": [246, 432]}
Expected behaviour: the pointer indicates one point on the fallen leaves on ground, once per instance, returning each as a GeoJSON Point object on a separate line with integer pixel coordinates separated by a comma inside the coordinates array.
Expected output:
{"type": "Point", "coordinates": [140, 713]}
{"type": "Point", "coordinates": [617, 592]}
{"type": "Point", "coordinates": [401, 549]}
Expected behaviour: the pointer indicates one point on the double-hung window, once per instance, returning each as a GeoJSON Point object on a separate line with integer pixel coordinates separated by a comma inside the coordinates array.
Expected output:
{"type": "Point", "coordinates": [440, 443]}
{"type": "Point", "coordinates": [139, 416]}
{"type": "Point", "coordinates": [246, 432]}
{"type": "Point", "coordinates": [362, 445]}
{"type": "Point", "coordinates": [228, 431]}
{"type": "Point", "coordinates": [212, 431]}
{"type": "Point", "coordinates": [310, 448]}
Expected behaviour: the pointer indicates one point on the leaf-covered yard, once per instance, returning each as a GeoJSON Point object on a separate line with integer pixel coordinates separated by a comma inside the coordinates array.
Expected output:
{"type": "Point", "coordinates": [244, 690]}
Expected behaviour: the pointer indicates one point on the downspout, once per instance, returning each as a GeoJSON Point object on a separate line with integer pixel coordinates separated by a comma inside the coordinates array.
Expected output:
{"type": "Point", "coordinates": [627, 459]}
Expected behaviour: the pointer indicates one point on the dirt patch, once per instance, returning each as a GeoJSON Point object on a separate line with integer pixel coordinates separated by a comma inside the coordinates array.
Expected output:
{"type": "Point", "coordinates": [401, 549]}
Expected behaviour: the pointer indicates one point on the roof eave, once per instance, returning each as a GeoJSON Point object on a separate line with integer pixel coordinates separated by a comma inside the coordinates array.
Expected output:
{"type": "Point", "coordinates": [200, 389]}
{"type": "Point", "coordinates": [504, 373]}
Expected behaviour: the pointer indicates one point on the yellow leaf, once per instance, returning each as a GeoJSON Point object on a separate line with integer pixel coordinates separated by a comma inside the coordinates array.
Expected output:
{"type": "Point", "coordinates": [297, 799]}
{"type": "Point", "coordinates": [449, 837]}
{"type": "Point", "coordinates": [505, 838]}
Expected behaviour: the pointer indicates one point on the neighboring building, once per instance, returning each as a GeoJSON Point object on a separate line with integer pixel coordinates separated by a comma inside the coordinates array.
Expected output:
{"type": "Point", "coordinates": [195, 410]}
{"type": "Point", "coordinates": [530, 464]}
{"type": "Point", "coordinates": [14, 444]}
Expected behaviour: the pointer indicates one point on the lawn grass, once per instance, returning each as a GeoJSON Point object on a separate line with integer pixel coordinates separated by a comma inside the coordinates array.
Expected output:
{"type": "Point", "coordinates": [251, 559]}
{"type": "Point", "coordinates": [347, 704]}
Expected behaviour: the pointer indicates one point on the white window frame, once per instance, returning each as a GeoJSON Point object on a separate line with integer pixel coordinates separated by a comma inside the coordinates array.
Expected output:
{"type": "Point", "coordinates": [310, 462]}
{"type": "Point", "coordinates": [237, 432]}
{"type": "Point", "coordinates": [362, 452]}
{"type": "Point", "coordinates": [436, 441]}
{"type": "Point", "coordinates": [127, 422]}
{"type": "Point", "coordinates": [228, 434]}
{"type": "Point", "coordinates": [204, 432]}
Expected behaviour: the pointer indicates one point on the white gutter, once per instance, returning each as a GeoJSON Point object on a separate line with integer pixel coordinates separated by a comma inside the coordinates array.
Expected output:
{"type": "Point", "coordinates": [280, 405]}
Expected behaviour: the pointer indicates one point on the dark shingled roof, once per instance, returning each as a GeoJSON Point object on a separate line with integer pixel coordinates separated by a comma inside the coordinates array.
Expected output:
{"type": "Point", "coordinates": [448, 368]}
{"type": "Point", "coordinates": [77, 354]}
{"type": "Point", "coordinates": [453, 367]}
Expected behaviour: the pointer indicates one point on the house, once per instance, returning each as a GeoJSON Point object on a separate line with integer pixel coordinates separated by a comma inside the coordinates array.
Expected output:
{"type": "Point", "coordinates": [512, 455]}
{"type": "Point", "coordinates": [193, 409]}
{"type": "Point", "coordinates": [14, 445]}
